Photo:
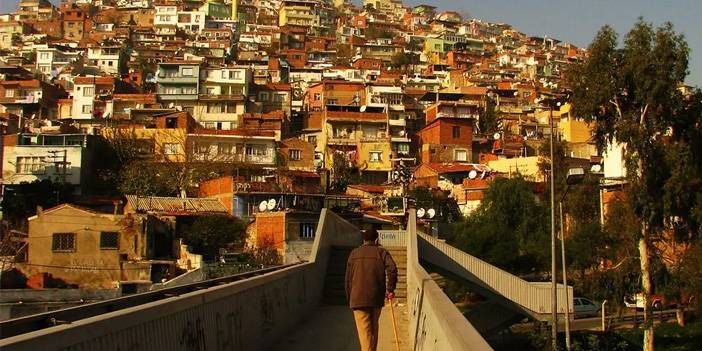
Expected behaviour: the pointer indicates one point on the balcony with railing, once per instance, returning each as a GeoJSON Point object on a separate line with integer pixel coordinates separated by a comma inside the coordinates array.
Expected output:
{"type": "Point", "coordinates": [172, 76]}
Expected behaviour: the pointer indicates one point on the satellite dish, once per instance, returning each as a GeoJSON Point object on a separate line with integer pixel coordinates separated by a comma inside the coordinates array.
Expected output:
{"type": "Point", "coordinates": [363, 108]}
{"type": "Point", "coordinates": [496, 135]}
{"type": "Point", "coordinates": [431, 213]}
{"type": "Point", "coordinates": [420, 212]}
{"type": "Point", "coordinates": [270, 204]}
{"type": "Point", "coordinates": [263, 206]}
{"type": "Point", "coordinates": [402, 133]}
{"type": "Point", "coordinates": [596, 168]}
{"type": "Point", "coordinates": [472, 174]}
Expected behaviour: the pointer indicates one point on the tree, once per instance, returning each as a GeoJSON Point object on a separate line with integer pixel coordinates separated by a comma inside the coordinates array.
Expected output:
{"type": "Point", "coordinates": [403, 59]}
{"type": "Point", "coordinates": [343, 55]}
{"type": "Point", "coordinates": [507, 229]}
{"type": "Point", "coordinates": [631, 93]}
{"type": "Point", "coordinates": [207, 234]}
{"type": "Point", "coordinates": [487, 123]}
{"type": "Point", "coordinates": [444, 205]}
{"type": "Point", "coordinates": [343, 172]}
{"type": "Point", "coordinates": [20, 201]}
{"type": "Point", "coordinates": [146, 179]}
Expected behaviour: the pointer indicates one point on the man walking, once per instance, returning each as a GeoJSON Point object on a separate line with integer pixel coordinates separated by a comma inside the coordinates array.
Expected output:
{"type": "Point", "coordinates": [365, 286]}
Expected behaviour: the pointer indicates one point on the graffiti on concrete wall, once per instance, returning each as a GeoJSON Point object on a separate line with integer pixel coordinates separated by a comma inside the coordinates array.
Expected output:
{"type": "Point", "coordinates": [192, 335]}
{"type": "Point", "coordinates": [229, 330]}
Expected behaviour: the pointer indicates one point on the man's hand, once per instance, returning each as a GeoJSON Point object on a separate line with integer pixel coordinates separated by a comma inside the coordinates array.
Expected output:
{"type": "Point", "coordinates": [390, 295]}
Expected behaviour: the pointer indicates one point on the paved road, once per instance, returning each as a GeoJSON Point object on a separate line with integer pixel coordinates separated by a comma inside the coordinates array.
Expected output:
{"type": "Point", "coordinates": [332, 328]}
{"type": "Point", "coordinates": [595, 323]}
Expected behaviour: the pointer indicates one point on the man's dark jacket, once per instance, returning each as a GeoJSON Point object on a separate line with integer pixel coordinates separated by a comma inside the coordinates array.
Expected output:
{"type": "Point", "coordinates": [365, 276]}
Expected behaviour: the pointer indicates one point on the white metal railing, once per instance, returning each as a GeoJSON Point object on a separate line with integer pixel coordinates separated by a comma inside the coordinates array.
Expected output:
{"type": "Point", "coordinates": [535, 297]}
{"type": "Point", "coordinates": [435, 322]}
{"type": "Point", "coordinates": [393, 238]}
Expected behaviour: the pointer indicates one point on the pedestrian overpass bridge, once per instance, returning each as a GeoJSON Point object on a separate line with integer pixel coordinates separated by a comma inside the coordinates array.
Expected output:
{"type": "Point", "coordinates": [297, 307]}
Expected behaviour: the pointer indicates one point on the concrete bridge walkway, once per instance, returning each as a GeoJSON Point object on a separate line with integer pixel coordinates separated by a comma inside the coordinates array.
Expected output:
{"type": "Point", "coordinates": [302, 307]}
{"type": "Point", "coordinates": [331, 327]}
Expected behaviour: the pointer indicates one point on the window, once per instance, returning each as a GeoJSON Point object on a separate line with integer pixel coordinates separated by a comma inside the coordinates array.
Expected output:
{"type": "Point", "coordinates": [456, 132]}
{"type": "Point", "coordinates": [225, 149]}
{"type": "Point", "coordinates": [171, 149]}
{"type": "Point", "coordinates": [9, 93]}
{"type": "Point", "coordinates": [461, 155]}
{"type": "Point", "coordinates": [190, 90]}
{"type": "Point", "coordinates": [307, 230]}
{"type": "Point", "coordinates": [278, 97]}
{"type": "Point", "coordinates": [186, 72]}
{"type": "Point", "coordinates": [256, 150]}
{"type": "Point", "coordinates": [30, 165]}
{"type": "Point", "coordinates": [63, 242]}
{"type": "Point", "coordinates": [171, 122]}
{"type": "Point", "coordinates": [312, 139]}
{"type": "Point", "coordinates": [234, 74]}
{"type": "Point", "coordinates": [171, 90]}
{"type": "Point", "coordinates": [88, 91]}
{"type": "Point", "coordinates": [332, 102]}
{"type": "Point", "coordinates": [210, 91]}
{"type": "Point", "coordinates": [202, 148]}
{"type": "Point", "coordinates": [263, 96]}
{"type": "Point", "coordinates": [257, 178]}
{"type": "Point", "coordinates": [109, 240]}
{"type": "Point", "coordinates": [87, 108]}
{"type": "Point", "coordinates": [44, 56]}
{"type": "Point", "coordinates": [295, 155]}
{"type": "Point", "coordinates": [317, 96]}
{"type": "Point", "coordinates": [375, 156]}
{"type": "Point", "coordinates": [214, 108]}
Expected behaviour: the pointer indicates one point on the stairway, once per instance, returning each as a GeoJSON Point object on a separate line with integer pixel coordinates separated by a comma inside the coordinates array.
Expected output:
{"type": "Point", "coordinates": [399, 255]}
{"type": "Point", "coordinates": [334, 290]}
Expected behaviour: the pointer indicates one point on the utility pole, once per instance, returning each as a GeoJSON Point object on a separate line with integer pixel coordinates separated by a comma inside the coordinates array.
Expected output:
{"type": "Point", "coordinates": [554, 295]}
{"type": "Point", "coordinates": [60, 164]}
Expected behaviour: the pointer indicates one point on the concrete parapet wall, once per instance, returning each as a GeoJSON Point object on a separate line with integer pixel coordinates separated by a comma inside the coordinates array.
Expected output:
{"type": "Point", "coordinates": [251, 314]}
{"type": "Point", "coordinates": [56, 295]}
{"type": "Point", "coordinates": [434, 321]}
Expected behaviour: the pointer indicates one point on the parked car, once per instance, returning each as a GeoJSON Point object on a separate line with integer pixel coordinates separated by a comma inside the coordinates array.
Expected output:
{"type": "Point", "coordinates": [585, 307]}
{"type": "Point", "coordinates": [657, 301]}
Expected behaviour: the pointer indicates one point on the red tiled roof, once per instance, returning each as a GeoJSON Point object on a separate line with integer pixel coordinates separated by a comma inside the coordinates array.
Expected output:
{"type": "Point", "coordinates": [239, 132]}
{"type": "Point", "coordinates": [278, 86]}
{"type": "Point", "coordinates": [356, 116]}
{"type": "Point", "coordinates": [32, 83]}
{"type": "Point", "coordinates": [93, 80]}
{"type": "Point", "coordinates": [274, 115]}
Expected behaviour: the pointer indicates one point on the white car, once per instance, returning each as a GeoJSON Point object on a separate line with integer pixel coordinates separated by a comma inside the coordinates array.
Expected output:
{"type": "Point", "coordinates": [585, 308]}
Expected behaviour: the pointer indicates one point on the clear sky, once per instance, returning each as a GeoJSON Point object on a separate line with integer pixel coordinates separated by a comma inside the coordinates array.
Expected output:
{"type": "Point", "coordinates": [575, 21]}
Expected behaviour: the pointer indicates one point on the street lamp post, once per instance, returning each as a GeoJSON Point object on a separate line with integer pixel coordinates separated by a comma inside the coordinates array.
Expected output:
{"type": "Point", "coordinates": [575, 176]}
{"type": "Point", "coordinates": [554, 264]}
{"type": "Point", "coordinates": [554, 296]}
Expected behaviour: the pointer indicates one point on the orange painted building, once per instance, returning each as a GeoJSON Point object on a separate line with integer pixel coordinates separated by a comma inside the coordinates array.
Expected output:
{"type": "Point", "coordinates": [334, 92]}
{"type": "Point", "coordinates": [447, 140]}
